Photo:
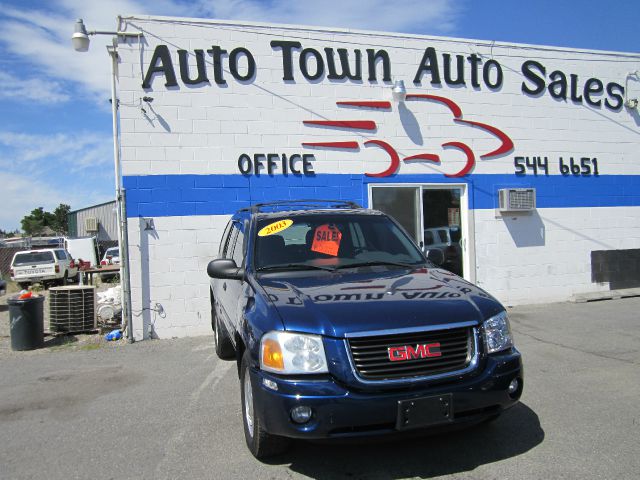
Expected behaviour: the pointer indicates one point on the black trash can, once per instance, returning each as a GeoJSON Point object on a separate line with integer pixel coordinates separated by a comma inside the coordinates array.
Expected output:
{"type": "Point", "coordinates": [26, 322]}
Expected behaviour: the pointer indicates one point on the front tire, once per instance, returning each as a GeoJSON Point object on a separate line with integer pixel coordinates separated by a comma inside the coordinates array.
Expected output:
{"type": "Point", "coordinates": [261, 444]}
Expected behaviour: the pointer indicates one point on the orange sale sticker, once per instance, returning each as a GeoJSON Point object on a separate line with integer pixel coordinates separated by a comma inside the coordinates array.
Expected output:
{"type": "Point", "coordinates": [326, 239]}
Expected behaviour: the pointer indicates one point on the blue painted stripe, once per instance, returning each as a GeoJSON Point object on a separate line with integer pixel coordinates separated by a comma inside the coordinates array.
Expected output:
{"type": "Point", "coordinates": [184, 195]}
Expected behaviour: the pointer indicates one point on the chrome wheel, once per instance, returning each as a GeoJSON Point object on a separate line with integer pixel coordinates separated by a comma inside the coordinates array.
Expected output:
{"type": "Point", "coordinates": [248, 402]}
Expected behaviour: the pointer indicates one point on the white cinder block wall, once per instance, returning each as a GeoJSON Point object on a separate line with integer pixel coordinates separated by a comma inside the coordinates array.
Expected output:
{"type": "Point", "coordinates": [561, 267]}
{"type": "Point", "coordinates": [180, 154]}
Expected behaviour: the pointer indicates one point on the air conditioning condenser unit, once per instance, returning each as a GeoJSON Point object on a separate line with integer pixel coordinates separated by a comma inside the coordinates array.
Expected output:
{"type": "Point", "coordinates": [72, 309]}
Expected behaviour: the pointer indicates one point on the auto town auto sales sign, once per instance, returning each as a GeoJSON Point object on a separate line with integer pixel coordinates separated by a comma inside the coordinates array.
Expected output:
{"type": "Point", "coordinates": [219, 65]}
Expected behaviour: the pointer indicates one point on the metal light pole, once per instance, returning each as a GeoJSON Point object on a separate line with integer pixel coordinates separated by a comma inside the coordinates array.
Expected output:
{"type": "Point", "coordinates": [121, 216]}
{"type": "Point", "coordinates": [80, 40]}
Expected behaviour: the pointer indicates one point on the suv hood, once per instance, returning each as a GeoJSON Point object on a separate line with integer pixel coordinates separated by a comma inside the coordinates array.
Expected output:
{"type": "Point", "coordinates": [374, 298]}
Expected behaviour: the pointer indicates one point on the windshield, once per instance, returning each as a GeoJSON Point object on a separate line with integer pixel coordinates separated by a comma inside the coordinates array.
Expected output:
{"type": "Point", "coordinates": [332, 241]}
{"type": "Point", "coordinates": [31, 258]}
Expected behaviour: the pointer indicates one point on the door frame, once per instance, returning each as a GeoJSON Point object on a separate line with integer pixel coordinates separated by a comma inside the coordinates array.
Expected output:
{"type": "Point", "coordinates": [466, 218]}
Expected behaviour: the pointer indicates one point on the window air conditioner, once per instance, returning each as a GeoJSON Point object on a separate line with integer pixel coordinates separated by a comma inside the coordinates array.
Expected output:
{"type": "Point", "coordinates": [91, 224]}
{"type": "Point", "coordinates": [517, 199]}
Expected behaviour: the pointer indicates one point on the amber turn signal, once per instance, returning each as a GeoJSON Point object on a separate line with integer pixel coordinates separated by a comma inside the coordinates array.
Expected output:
{"type": "Point", "coordinates": [272, 354]}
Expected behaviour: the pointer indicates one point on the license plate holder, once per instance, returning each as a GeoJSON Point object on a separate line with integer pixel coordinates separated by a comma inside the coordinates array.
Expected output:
{"type": "Point", "coordinates": [425, 412]}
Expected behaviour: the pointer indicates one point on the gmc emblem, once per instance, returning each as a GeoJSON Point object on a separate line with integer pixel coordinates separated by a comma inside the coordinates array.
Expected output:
{"type": "Point", "coordinates": [409, 352]}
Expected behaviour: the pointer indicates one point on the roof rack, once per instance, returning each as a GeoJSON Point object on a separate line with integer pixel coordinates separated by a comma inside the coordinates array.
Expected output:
{"type": "Point", "coordinates": [302, 204]}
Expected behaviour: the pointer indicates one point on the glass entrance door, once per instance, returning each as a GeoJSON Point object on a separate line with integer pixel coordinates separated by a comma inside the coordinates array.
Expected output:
{"type": "Point", "coordinates": [434, 215]}
{"type": "Point", "coordinates": [442, 227]}
{"type": "Point", "coordinates": [401, 203]}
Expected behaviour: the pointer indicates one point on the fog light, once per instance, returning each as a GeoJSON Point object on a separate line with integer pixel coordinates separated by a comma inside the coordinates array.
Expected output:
{"type": "Point", "coordinates": [301, 414]}
{"type": "Point", "coordinates": [270, 384]}
{"type": "Point", "coordinates": [513, 386]}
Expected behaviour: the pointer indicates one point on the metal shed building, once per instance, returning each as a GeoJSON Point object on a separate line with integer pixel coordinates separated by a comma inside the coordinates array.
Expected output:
{"type": "Point", "coordinates": [97, 220]}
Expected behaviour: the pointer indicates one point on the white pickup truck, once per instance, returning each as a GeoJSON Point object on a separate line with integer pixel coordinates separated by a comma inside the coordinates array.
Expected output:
{"type": "Point", "coordinates": [49, 265]}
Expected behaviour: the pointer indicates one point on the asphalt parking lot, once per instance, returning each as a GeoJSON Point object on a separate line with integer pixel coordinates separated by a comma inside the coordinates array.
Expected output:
{"type": "Point", "coordinates": [171, 409]}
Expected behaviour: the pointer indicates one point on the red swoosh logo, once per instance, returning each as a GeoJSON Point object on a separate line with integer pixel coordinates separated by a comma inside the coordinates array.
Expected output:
{"type": "Point", "coordinates": [453, 106]}
{"type": "Point", "coordinates": [471, 160]}
{"type": "Point", "coordinates": [364, 104]}
{"type": "Point", "coordinates": [429, 157]}
{"type": "Point", "coordinates": [507, 143]}
{"type": "Point", "coordinates": [354, 124]}
{"type": "Point", "coordinates": [348, 145]}
{"type": "Point", "coordinates": [395, 159]}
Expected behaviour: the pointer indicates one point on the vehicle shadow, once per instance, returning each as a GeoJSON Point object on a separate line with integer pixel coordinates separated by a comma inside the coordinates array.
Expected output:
{"type": "Point", "coordinates": [514, 433]}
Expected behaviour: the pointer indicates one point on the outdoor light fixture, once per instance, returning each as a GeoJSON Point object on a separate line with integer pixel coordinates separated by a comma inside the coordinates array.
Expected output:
{"type": "Point", "coordinates": [631, 103]}
{"type": "Point", "coordinates": [80, 40]}
{"type": "Point", "coordinates": [148, 224]}
{"type": "Point", "coordinates": [398, 91]}
{"type": "Point", "coordinates": [80, 37]}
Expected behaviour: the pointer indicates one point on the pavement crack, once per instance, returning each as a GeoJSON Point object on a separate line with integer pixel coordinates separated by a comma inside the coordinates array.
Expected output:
{"type": "Point", "coordinates": [576, 349]}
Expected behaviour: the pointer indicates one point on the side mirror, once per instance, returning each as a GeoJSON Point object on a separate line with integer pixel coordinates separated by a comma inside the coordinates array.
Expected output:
{"type": "Point", "coordinates": [225, 268]}
{"type": "Point", "coordinates": [435, 255]}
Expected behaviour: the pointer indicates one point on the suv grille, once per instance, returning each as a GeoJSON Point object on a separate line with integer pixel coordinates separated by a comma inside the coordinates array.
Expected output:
{"type": "Point", "coordinates": [371, 354]}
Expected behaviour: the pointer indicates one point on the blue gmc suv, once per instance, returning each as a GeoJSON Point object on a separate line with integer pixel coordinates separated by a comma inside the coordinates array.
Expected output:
{"type": "Point", "coordinates": [342, 327]}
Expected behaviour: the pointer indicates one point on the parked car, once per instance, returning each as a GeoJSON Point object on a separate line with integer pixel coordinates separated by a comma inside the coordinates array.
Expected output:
{"type": "Point", "coordinates": [47, 266]}
{"type": "Point", "coordinates": [441, 238]}
{"type": "Point", "coordinates": [340, 327]}
{"type": "Point", "coordinates": [111, 257]}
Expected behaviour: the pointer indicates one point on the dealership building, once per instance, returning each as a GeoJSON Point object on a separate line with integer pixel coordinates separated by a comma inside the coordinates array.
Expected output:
{"type": "Point", "coordinates": [519, 161]}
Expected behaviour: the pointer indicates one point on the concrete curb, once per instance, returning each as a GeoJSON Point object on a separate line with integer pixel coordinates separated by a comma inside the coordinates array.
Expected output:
{"type": "Point", "coordinates": [609, 295]}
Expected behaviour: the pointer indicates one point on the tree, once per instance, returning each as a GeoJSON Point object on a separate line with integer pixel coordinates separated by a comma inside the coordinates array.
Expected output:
{"type": "Point", "coordinates": [35, 222]}
{"type": "Point", "coordinates": [39, 219]}
{"type": "Point", "coordinates": [61, 222]}
{"type": "Point", "coordinates": [8, 233]}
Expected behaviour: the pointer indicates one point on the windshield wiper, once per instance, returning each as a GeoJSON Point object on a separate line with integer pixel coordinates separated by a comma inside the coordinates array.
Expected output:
{"type": "Point", "coordinates": [377, 262]}
{"type": "Point", "coordinates": [295, 266]}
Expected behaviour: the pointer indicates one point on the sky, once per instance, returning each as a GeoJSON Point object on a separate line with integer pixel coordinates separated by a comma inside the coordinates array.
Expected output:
{"type": "Point", "coordinates": [55, 123]}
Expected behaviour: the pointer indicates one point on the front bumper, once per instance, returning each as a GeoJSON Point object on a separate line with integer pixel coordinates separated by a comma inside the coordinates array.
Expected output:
{"type": "Point", "coordinates": [339, 411]}
{"type": "Point", "coordinates": [37, 278]}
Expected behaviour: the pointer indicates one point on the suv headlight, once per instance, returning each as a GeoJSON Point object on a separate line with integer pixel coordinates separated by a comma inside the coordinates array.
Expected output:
{"type": "Point", "coordinates": [497, 333]}
{"type": "Point", "coordinates": [292, 353]}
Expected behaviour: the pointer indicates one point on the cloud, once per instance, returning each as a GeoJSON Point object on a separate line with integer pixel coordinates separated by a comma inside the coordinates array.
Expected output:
{"type": "Point", "coordinates": [21, 193]}
{"type": "Point", "coordinates": [30, 90]}
{"type": "Point", "coordinates": [425, 16]}
{"type": "Point", "coordinates": [49, 50]}
{"type": "Point", "coordinates": [47, 170]}
{"type": "Point", "coordinates": [72, 153]}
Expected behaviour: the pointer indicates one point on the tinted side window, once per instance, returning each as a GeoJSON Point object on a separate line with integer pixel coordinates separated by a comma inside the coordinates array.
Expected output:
{"type": "Point", "coordinates": [228, 248]}
{"type": "Point", "coordinates": [225, 240]}
{"type": "Point", "coordinates": [61, 255]}
{"type": "Point", "coordinates": [28, 258]}
{"type": "Point", "coordinates": [238, 250]}
{"type": "Point", "coordinates": [428, 238]}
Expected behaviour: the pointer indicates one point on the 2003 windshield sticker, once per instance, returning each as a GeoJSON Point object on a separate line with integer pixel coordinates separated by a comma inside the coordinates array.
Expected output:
{"type": "Point", "coordinates": [275, 227]}
{"type": "Point", "coordinates": [326, 239]}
